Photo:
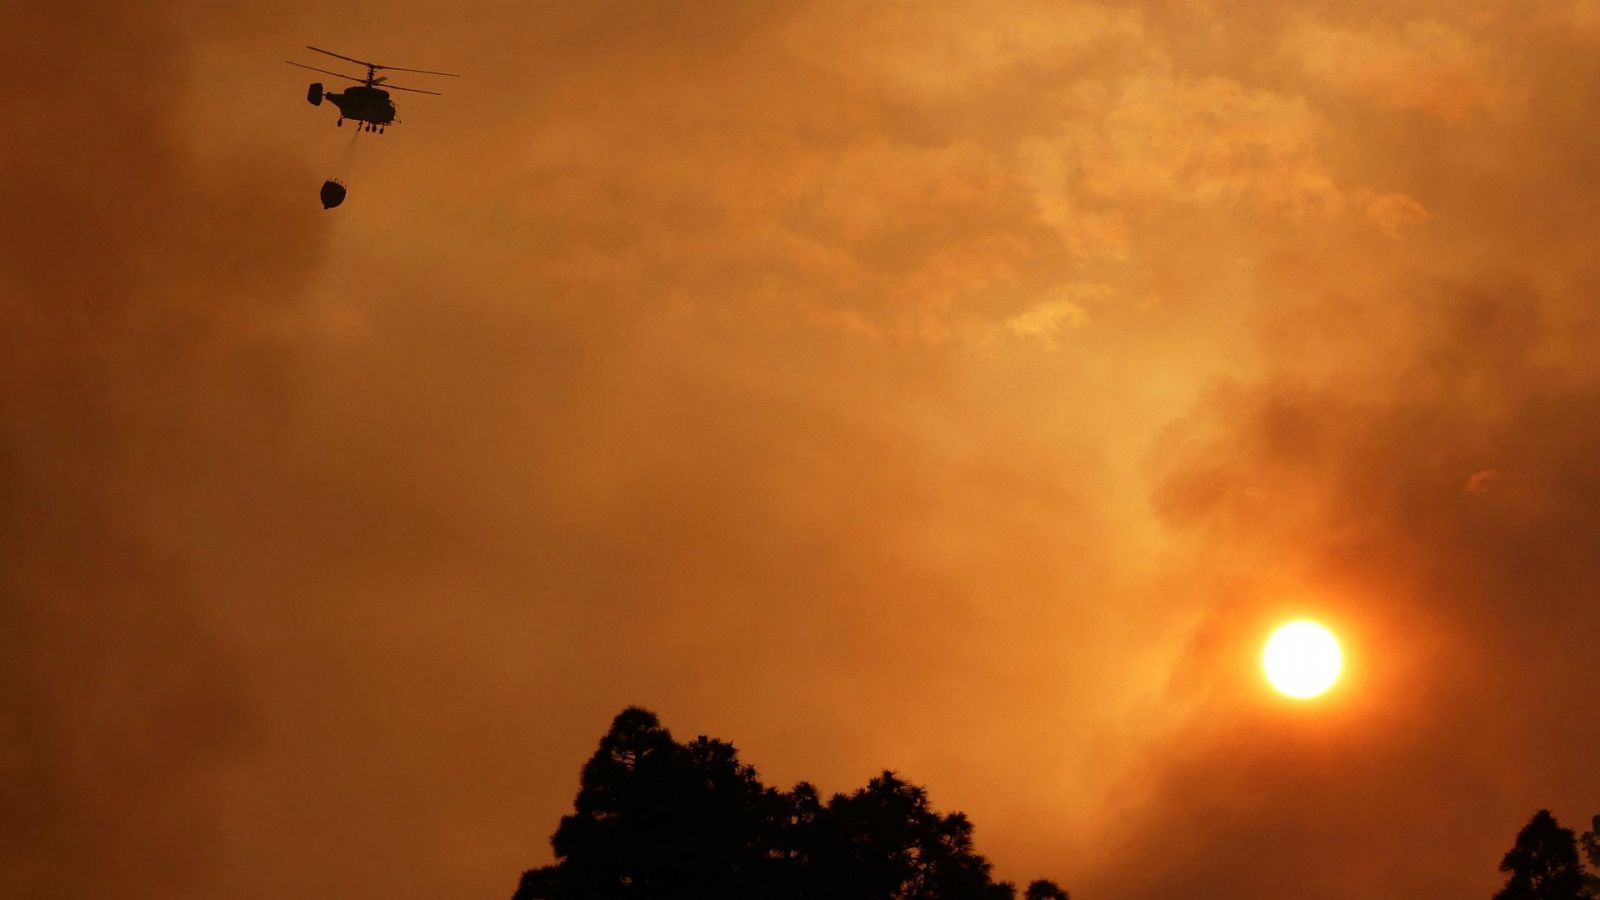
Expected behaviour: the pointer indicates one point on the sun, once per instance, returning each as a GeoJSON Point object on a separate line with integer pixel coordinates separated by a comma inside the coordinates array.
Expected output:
{"type": "Point", "coordinates": [1302, 659]}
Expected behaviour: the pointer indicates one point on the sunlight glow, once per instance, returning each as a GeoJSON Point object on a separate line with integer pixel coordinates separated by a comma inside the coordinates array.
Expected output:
{"type": "Point", "coordinates": [1302, 659]}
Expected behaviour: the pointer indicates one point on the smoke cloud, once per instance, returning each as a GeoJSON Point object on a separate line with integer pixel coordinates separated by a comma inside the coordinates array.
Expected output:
{"type": "Point", "coordinates": [964, 390]}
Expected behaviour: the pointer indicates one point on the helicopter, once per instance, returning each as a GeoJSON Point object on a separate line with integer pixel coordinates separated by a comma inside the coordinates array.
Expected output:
{"type": "Point", "coordinates": [366, 103]}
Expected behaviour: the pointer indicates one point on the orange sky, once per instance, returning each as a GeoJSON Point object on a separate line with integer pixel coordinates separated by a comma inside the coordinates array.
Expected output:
{"type": "Point", "coordinates": [964, 389]}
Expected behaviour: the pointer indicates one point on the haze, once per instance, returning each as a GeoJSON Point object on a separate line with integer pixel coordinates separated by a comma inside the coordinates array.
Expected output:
{"type": "Point", "coordinates": [964, 389]}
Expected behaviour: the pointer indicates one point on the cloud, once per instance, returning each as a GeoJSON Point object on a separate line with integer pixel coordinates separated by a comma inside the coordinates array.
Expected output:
{"type": "Point", "coordinates": [691, 357]}
{"type": "Point", "coordinates": [1462, 608]}
{"type": "Point", "coordinates": [1482, 481]}
{"type": "Point", "coordinates": [960, 51]}
{"type": "Point", "coordinates": [1047, 321]}
{"type": "Point", "coordinates": [1202, 141]}
{"type": "Point", "coordinates": [1424, 66]}
{"type": "Point", "coordinates": [1395, 214]}
{"type": "Point", "coordinates": [137, 376]}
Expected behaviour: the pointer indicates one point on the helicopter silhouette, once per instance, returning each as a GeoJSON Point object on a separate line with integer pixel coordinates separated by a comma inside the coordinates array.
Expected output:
{"type": "Point", "coordinates": [366, 103]}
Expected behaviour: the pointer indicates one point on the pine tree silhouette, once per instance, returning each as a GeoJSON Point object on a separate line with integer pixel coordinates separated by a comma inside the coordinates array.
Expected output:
{"type": "Point", "coordinates": [658, 820]}
{"type": "Point", "coordinates": [1543, 864]}
{"type": "Point", "coordinates": [1045, 890]}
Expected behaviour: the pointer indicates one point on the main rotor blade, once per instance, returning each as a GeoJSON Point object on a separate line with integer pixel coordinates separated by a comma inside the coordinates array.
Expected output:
{"type": "Point", "coordinates": [396, 87]}
{"type": "Point", "coordinates": [377, 66]}
{"type": "Point", "coordinates": [343, 57]}
{"type": "Point", "coordinates": [326, 72]}
{"type": "Point", "coordinates": [420, 71]}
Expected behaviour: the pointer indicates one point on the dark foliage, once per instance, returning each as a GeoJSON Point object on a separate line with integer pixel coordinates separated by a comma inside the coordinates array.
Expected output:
{"type": "Point", "coordinates": [659, 820]}
{"type": "Point", "coordinates": [1544, 864]}
{"type": "Point", "coordinates": [1045, 890]}
{"type": "Point", "coordinates": [1590, 842]}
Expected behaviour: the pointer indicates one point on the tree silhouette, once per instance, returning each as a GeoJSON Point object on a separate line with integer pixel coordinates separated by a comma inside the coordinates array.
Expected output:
{"type": "Point", "coordinates": [658, 820]}
{"type": "Point", "coordinates": [884, 841]}
{"type": "Point", "coordinates": [1590, 842]}
{"type": "Point", "coordinates": [655, 818]}
{"type": "Point", "coordinates": [1544, 864]}
{"type": "Point", "coordinates": [1045, 890]}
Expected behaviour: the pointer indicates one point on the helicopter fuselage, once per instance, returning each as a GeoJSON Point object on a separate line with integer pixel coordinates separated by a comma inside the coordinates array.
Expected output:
{"type": "Point", "coordinates": [364, 104]}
